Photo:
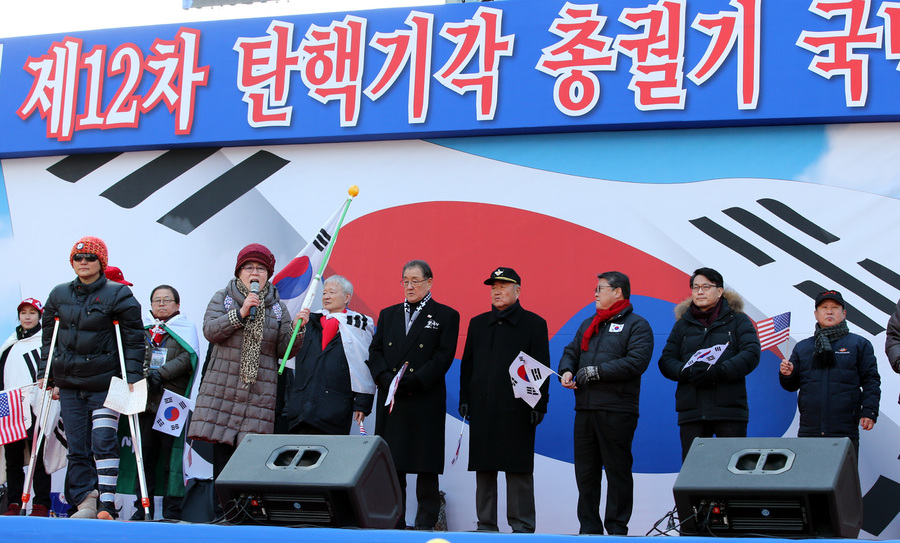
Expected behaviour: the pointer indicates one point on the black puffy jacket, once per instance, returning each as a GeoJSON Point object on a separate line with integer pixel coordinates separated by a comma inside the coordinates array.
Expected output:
{"type": "Point", "coordinates": [621, 350]}
{"type": "Point", "coordinates": [321, 394]}
{"type": "Point", "coordinates": [831, 401]}
{"type": "Point", "coordinates": [86, 355]}
{"type": "Point", "coordinates": [725, 399]}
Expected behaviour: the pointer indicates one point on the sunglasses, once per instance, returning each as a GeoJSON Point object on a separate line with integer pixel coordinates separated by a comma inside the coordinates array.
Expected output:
{"type": "Point", "coordinates": [82, 256]}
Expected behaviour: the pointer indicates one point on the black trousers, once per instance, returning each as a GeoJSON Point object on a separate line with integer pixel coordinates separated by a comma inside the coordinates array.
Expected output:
{"type": "Point", "coordinates": [603, 442]}
{"type": "Point", "coordinates": [428, 495]}
{"type": "Point", "coordinates": [15, 472]}
{"type": "Point", "coordinates": [709, 428]}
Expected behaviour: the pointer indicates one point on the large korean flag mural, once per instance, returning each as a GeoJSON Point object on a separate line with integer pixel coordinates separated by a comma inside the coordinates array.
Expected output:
{"type": "Point", "coordinates": [781, 212]}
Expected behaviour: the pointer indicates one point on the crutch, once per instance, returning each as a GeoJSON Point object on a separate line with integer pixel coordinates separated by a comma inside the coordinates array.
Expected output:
{"type": "Point", "coordinates": [40, 422]}
{"type": "Point", "coordinates": [135, 432]}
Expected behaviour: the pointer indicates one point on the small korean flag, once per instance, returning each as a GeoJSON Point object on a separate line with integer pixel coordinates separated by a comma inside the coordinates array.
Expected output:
{"type": "Point", "coordinates": [527, 375]}
{"type": "Point", "coordinates": [616, 326]}
{"type": "Point", "coordinates": [172, 413]}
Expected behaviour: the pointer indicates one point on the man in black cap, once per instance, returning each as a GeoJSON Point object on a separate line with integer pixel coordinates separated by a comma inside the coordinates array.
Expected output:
{"type": "Point", "coordinates": [837, 375]}
{"type": "Point", "coordinates": [502, 425]}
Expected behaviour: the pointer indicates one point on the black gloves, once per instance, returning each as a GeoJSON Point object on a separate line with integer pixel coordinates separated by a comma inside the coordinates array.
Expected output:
{"type": "Point", "coordinates": [154, 381]}
{"type": "Point", "coordinates": [537, 416]}
{"type": "Point", "coordinates": [587, 373]}
{"type": "Point", "coordinates": [702, 374]}
{"type": "Point", "coordinates": [410, 384]}
{"type": "Point", "coordinates": [384, 380]}
{"type": "Point", "coordinates": [464, 410]}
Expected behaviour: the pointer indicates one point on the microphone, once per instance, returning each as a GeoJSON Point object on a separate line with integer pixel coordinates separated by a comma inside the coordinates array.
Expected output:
{"type": "Point", "coordinates": [254, 288]}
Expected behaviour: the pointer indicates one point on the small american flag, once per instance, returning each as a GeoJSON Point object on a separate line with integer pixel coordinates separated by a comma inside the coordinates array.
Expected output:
{"type": "Point", "coordinates": [12, 421]}
{"type": "Point", "coordinates": [774, 330]}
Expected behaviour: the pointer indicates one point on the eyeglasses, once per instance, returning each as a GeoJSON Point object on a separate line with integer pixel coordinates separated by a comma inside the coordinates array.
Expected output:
{"type": "Point", "coordinates": [704, 288]}
{"type": "Point", "coordinates": [78, 257]}
{"type": "Point", "coordinates": [162, 301]}
{"type": "Point", "coordinates": [601, 287]}
{"type": "Point", "coordinates": [251, 268]}
{"type": "Point", "coordinates": [412, 283]}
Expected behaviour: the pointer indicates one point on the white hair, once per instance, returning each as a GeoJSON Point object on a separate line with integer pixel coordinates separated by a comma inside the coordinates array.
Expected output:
{"type": "Point", "coordinates": [341, 281]}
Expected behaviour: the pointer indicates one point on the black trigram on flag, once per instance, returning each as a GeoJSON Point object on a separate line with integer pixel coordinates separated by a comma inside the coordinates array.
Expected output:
{"type": "Point", "coordinates": [322, 240]}
{"type": "Point", "coordinates": [739, 226]}
{"type": "Point", "coordinates": [136, 187]}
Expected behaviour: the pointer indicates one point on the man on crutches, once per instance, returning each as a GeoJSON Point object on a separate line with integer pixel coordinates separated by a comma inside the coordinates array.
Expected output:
{"type": "Point", "coordinates": [85, 358]}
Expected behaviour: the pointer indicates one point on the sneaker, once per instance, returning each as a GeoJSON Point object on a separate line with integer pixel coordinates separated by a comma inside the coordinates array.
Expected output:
{"type": "Point", "coordinates": [88, 507]}
{"type": "Point", "coordinates": [107, 511]}
{"type": "Point", "coordinates": [14, 509]}
{"type": "Point", "coordinates": [38, 510]}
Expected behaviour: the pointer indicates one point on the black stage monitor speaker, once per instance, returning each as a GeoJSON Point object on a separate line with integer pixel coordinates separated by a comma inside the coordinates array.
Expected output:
{"type": "Point", "coordinates": [779, 487]}
{"type": "Point", "coordinates": [309, 479]}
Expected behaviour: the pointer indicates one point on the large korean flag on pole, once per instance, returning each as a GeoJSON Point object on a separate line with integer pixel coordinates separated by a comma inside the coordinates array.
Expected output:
{"type": "Point", "coordinates": [293, 281]}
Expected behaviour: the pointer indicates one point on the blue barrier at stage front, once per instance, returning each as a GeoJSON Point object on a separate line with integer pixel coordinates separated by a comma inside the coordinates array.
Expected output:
{"type": "Point", "coordinates": [27, 529]}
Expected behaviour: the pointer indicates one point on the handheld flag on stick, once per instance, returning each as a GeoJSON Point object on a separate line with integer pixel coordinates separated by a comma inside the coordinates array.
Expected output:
{"type": "Point", "coordinates": [458, 443]}
{"type": "Point", "coordinates": [12, 420]}
{"type": "Point", "coordinates": [774, 330]}
{"type": "Point", "coordinates": [527, 375]}
{"type": "Point", "coordinates": [172, 413]}
{"type": "Point", "coordinates": [392, 390]}
{"type": "Point", "coordinates": [295, 282]}
{"type": "Point", "coordinates": [709, 355]}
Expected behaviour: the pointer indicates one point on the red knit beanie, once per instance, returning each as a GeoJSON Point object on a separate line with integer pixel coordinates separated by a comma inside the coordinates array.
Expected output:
{"type": "Point", "coordinates": [255, 252]}
{"type": "Point", "coordinates": [92, 246]}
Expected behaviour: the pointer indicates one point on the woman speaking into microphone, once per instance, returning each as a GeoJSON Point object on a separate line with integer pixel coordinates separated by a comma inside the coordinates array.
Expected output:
{"type": "Point", "coordinates": [248, 328]}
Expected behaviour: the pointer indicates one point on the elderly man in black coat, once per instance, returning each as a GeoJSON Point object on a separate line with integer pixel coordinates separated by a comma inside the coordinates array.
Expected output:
{"type": "Point", "coordinates": [420, 335]}
{"type": "Point", "coordinates": [502, 426]}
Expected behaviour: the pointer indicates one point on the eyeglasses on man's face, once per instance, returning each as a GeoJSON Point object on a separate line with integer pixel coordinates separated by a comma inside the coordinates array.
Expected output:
{"type": "Point", "coordinates": [702, 288]}
{"type": "Point", "coordinates": [162, 301]}
{"type": "Point", "coordinates": [88, 257]}
{"type": "Point", "coordinates": [414, 283]}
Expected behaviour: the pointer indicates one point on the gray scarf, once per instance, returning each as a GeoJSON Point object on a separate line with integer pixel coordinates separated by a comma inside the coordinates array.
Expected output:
{"type": "Point", "coordinates": [824, 355]}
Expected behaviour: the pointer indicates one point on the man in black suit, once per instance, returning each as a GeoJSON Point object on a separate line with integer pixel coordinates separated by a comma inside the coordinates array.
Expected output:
{"type": "Point", "coordinates": [420, 335]}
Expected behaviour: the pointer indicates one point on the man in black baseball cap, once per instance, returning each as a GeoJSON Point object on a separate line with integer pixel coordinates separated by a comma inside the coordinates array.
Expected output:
{"type": "Point", "coordinates": [502, 425]}
{"type": "Point", "coordinates": [830, 369]}
{"type": "Point", "coordinates": [829, 295]}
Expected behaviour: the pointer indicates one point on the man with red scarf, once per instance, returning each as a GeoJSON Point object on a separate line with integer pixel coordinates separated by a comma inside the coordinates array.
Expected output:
{"type": "Point", "coordinates": [603, 365]}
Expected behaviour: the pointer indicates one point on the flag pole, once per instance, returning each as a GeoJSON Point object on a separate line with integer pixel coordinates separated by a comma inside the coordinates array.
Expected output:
{"type": "Point", "coordinates": [311, 293]}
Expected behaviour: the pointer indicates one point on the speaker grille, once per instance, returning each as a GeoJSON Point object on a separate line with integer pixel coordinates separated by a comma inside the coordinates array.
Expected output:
{"type": "Point", "coordinates": [765, 515]}
{"type": "Point", "coordinates": [298, 509]}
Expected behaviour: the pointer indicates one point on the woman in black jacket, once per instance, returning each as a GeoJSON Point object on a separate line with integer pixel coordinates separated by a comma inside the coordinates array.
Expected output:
{"type": "Point", "coordinates": [711, 399]}
{"type": "Point", "coordinates": [85, 359]}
